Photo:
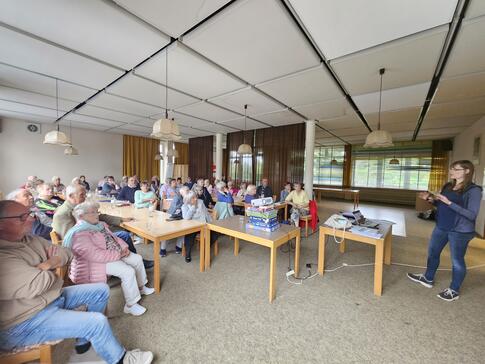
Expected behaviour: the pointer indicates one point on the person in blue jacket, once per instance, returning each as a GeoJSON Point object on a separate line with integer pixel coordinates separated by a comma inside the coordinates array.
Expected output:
{"type": "Point", "coordinates": [457, 207]}
{"type": "Point", "coordinates": [127, 193]}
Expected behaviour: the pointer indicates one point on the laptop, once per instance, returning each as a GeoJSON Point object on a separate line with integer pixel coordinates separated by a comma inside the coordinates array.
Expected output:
{"type": "Point", "coordinates": [362, 221]}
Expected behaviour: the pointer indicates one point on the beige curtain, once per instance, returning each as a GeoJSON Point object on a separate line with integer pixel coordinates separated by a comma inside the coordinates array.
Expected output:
{"type": "Point", "coordinates": [439, 166]}
{"type": "Point", "coordinates": [139, 157]}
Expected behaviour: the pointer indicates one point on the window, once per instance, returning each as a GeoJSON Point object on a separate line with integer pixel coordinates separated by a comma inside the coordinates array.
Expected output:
{"type": "Point", "coordinates": [241, 167]}
{"type": "Point", "coordinates": [372, 168]}
{"type": "Point", "coordinates": [328, 167]}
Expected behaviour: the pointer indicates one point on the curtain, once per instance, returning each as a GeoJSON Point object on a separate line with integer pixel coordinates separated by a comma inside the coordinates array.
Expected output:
{"type": "Point", "coordinates": [239, 168]}
{"type": "Point", "coordinates": [279, 155]}
{"type": "Point", "coordinates": [183, 152]}
{"type": "Point", "coordinates": [201, 157]}
{"type": "Point", "coordinates": [139, 157]}
{"type": "Point", "coordinates": [346, 181]}
{"type": "Point", "coordinates": [439, 165]}
{"type": "Point", "coordinates": [181, 170]}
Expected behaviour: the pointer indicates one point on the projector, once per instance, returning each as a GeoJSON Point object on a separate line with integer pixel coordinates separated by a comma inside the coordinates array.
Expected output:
{"type": "Point", "coordinates": [262, 201]}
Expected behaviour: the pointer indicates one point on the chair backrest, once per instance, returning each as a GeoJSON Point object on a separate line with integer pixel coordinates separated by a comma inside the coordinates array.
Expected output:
{"type": "Point", "coordinates": [56, 240]}
{"type": "Point", "coordinates": [61, 271]}
{"type": "Point", "coordinates": [166, 204]}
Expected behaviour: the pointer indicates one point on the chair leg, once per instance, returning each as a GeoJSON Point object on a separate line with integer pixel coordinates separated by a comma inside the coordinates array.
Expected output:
{"type": "Point", "coordinates": [216, 248]}
{"type": "Point", "coordinates": [183, 250]}
{"type": "Point", "coordinates": [306, 228]}
{"type": "Point", "coordinates": [46, 354]}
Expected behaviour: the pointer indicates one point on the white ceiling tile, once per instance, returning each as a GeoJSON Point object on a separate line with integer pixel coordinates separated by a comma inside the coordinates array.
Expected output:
{"type": "Point", "coordinates": [325, 110]}
{"type": "Point", "coordinates": [347, 26]}
{"type": "Point", "coordinates": [147, 122]}
{"type": "Point", "coordinates": [172, 17]}
{"type": "Point", "coordinates": [139, 128]}
{"type": "Point", "coordinates": [207, 111]}
{"type": "Point", "coordinates": [29, 81]}
{"type": "Point", "coordinates": [28, 109]}
{"type": "Point", "coordinates": [407, 61]}
{"type": "Point", "coordinates": [81, 125]}
{"type": "Point", "coordinates": [460, 88]}
{"type": "Point", "coordinates": [255, 39]}
{"type": "Point", "coordinates": [394, 117]}
{"type": "Point", "coordinates": [467, 107]}
{"type": "Point", "coordinates": [137, 88]}
{"type": "Point", "coordinates": [468, 53]}
{"type": "Point", "coordinates": [476, 8]}
{"type": "Point", "coordinates": [239, 124]}
{"type": "Point", "coordinates": [193, 132]}
{"type": "Point", "coordinates": [346, 121]}
{"type": "Point", "coordinates": [23, 51]}
{"type": "Point", "coordinates": [26, 116]}
{"type": "Point", "coordinates": [79, 119]}
{"type": "Point", "coordinates": [301, 88]}
{"type": "Point", "coordinates": [30, 98]}
{"type": "Point", "coordinates": [95, 28]}
{"type": "Point", "coordinates": [221, 128]}
{"type": "Point", "coordinates": [256, 101]}
{"type": "Point", "coordinates": [121, 104]}
{"type": "Point", "coordinates": [393, 99]}
{"type": "Point", "coordinates": [128, 132]}
{"type": "Point", "coordinates": [189, 73]}
{"type": "Point", "coordinates": [189, 121]}
{"type": "Point", "coordinates": [278, 118]}
{"type": "Point", "coordinates": [99, 112]}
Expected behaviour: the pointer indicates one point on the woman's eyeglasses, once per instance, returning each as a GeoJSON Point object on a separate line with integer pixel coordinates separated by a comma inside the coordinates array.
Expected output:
{"type": "Point", "coordinates": [22, 217]}
{"type": "Point", "coordinates": [456, 169]}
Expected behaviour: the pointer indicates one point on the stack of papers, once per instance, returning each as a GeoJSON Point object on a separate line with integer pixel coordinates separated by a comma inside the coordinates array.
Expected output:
{"type": "Point", "coordinates": [361, 230]}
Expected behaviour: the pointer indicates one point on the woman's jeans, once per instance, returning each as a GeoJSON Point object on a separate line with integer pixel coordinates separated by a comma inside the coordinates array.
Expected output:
{"type": "Point", "coordinates": [58, 321]}
{"type": "Point", "coordinates": [458, 245]}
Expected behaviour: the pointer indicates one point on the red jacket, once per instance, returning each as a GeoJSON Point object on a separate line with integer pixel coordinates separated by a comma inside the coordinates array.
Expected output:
{"type": "Point", "coordinates": [312, 205]}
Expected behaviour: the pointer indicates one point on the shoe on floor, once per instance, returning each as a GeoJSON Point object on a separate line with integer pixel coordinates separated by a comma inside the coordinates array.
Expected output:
{"type": "Point", "coordinates": [188, 259]}
{"type": "Point", "coordinates": [163, 252]}
{"type": "Point", "coordinates": [178, 250]}
{"type": "Point", "coordinates": [146, 291]}
{"type": "Point", "coordinates": [420, 278]}
{"type": "Point", "coordinates": [137, 240]}
{"type": "Point", "coordinates": [448, 295]}
{"type": "Point", "coordinates": [138, 357]}
{"type": "Point", "coordinates": [135, 310]}
{"type": "Point", "coordinates": [148, 264]}
{"type": "Point", "coordinates": [81, 349]}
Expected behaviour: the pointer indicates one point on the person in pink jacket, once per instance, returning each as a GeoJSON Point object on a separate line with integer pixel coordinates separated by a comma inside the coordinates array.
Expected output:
{"type": "Point", "coordinates": [97, 252]}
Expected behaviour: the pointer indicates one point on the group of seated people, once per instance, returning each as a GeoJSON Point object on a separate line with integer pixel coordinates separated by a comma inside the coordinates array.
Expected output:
{"type": "Point", "coordinates": [96, 247]}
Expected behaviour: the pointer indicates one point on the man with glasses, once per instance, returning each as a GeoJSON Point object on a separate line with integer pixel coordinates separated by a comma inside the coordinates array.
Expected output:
{"type": "Point", "coordinates": [35, 307]}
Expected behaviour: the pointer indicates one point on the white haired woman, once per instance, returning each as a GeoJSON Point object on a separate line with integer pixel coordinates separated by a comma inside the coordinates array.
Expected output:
{"type": "Point", "coordinates": [224, 202]}
{"type": "Point", "coordinates": [57, 187]}
{"type": "Point", "coordinates": [194, 209]}
{"type": "Point", "coordinates": [97, 252]}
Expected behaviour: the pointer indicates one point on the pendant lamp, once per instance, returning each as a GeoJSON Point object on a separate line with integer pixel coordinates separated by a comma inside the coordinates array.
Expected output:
{"type": "Point", "coordinates": [394, 160]}
{"type": "Point", "coordinates": [57, 137]}
{"type": "Point", "coordinates": [379, 138]}
{"type": "Point", "coordinates": [245, 149]}
{"type": "Point", "coordinates": [70, 150]}
{"type": "Point", "coordinates": [165, 128]}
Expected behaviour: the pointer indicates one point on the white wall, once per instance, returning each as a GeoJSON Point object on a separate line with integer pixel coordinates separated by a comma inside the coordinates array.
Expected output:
{"type": "Point", "coordinates": [23, 154]}
{"type": "Point", "coordinates": [463, 149]}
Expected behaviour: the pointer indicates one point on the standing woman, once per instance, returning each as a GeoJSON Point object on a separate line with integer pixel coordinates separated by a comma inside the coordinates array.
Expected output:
{"type": "Point", "coordinates": [457, 209]}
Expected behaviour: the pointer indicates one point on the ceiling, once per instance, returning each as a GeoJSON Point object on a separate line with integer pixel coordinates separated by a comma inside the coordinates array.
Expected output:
{"type": "Point", "coordinates": [288, 60]}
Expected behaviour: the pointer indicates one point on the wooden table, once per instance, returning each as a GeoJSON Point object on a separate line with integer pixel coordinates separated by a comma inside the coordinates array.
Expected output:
{"type": "Point", "coordinates": [354, 194]}
{"type": "Point", "coordinates": [236, 227]}
{"type": "Point", "coordinates": [156, 229]}
{"type": "Point", "coordinates": [383, 249]}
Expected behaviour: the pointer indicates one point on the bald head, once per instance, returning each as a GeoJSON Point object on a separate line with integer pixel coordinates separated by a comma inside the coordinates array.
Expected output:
{"type": "Point", "coordinates": [15, 220]}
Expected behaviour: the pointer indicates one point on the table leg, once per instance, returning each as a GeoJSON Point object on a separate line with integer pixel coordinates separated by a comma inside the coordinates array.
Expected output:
{"type": "Point", "coordinates": [297, 255]}
{"type": "Point", "coordinates": [272, 275]}
{"type": "Point", "coordinates": [208, 249]}
{"type": "Point", "coordinates": [378, 267]}
{"type": "Point", "coordinates": [236, 246]}
{"type": "Point", "coordinates": [286, 212]}
{"type": "Point", "coordinates": [203, 233]}
{"type": "Point", "coordinates": [321, 253]}
{"type": "Point", "coordinates": [388, 248]}
{"type": "Point", "coordinates": [156, 265]}
{"type": "Point", "coordinates": [341, 246]}
{"type": "Point", "coordinates": [355, 201]}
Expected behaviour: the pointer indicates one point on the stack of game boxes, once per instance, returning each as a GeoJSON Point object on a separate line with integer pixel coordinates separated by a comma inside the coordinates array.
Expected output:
{"type": "Point", "coordinates": [263, 218]}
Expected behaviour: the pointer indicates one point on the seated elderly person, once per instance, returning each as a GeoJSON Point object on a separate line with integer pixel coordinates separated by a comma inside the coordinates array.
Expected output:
{"type": "Point", "coordinates": [35, 307]}
{"type": "Point", "coordinates": [25, 198]}
{"type": "Point", "coordinates": [204, 195]}
{"type": "Point", "coordinates": [46, 202]}
{"type": "Point", "coordinates": [169, 189]}
{"type": "Point", "coordinates": [231, 188]}
{"type": "Point", "coordinates": [224, 202]}
{"type": "Point", "coordinates": [57, 187]}
{"type": "Point", "coordinates": [298, 199]}
{"type": "Point", "coordinates": [84, 183]}
{"type": "Point", "coordinates": [127, 193]}
{"type": "Point", "coordinates": [194, 209]}
{"type": "Point", "coordinates": [175, 212]}
{"type": "Point", "coordinates": [242, 190]}
{"type": "Point", "coordinates": [250, 194]}
{"type": "Point", "coordinates": [64, 220]}
{"type": "Point", "coordinates": [145, 197]}
{"type": "Point", "coordinates": [97, 252]}
{"type": "Point", "coordinates": [109, 187]}
{"type": "Point", "coordinates": [208, 186]}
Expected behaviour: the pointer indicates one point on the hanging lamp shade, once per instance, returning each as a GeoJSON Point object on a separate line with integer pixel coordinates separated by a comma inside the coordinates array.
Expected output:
{"type": "Point", "coordinates": [244, 149]}
{"type": "Point", "coordinates": [172, 153]}
{"type": "Point", "coordinates": [379, 138]}
{"type": "Point", "coordinates": [70, 150]}
{"type": "Point", "coordinates": [166, 129]}
{"type": "Point", "coordinates": [394, 161]}
{"type": "Point", "coordinates": [158, 157]}
{"type": "Point", "coordinates": [56, 137]}
{"type": "Point", "coordinates": [333, 162]}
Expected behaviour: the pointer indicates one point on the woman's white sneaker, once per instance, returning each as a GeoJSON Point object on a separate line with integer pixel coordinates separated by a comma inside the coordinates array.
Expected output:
{"type": "Point", "coordinates": [138, 357]}
{"type": "Point", "coordinates": [146, 291]}
{"type": "Point", "coordinates": [135, 310]}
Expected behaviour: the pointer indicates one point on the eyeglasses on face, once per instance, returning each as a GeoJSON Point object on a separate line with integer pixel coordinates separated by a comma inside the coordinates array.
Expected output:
{"type": "Point", "coordinates": [456, 169]}
{"type": "Point", "coordinates": [23, 217]}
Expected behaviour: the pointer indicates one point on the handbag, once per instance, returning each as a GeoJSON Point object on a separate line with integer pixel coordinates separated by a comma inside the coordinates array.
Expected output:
{"type": "Point", "coordinates": [339, 222]}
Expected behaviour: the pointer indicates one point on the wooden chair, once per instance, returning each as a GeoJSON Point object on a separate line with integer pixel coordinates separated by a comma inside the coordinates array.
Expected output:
{"type": "Point", "coordinates": [62, 271]}
{"type": "Point", "coordinates": [306, 219]}
{"type": "Point", "coordinates": [213, 214]}
{"type": "Point", "coordinates": [166, 204]}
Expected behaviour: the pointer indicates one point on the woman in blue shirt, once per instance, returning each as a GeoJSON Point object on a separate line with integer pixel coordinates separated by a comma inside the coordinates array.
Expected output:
{"type": "Point", "coordinates": [145, 197]}
{"type": "Point", "coordinates": [457, 207]}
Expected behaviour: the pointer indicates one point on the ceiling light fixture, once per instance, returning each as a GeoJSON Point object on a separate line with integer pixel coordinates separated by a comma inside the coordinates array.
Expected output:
{"type": "Point", "coordinates": [379, 138]}
{"type": "Point", "coordinates": [70, 150]}
{"type": "Point", "coordinates": [56, 137]}
{"type": "Point", "coordinates": [245, 149]}
{"type": "Point", "coordinates": [165, 128]}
